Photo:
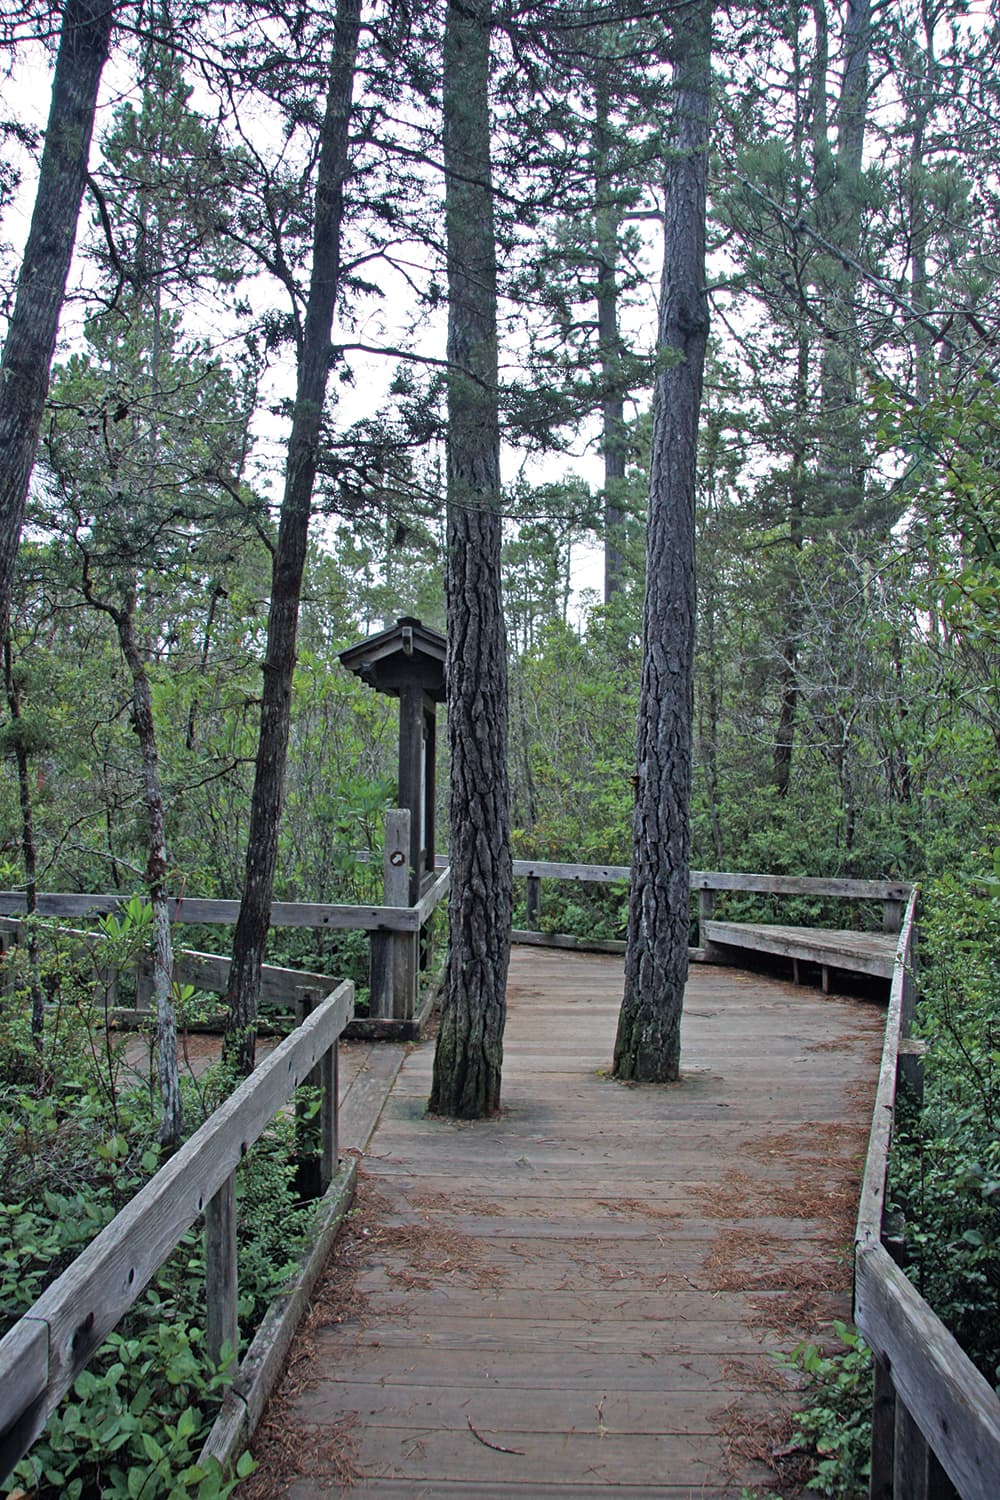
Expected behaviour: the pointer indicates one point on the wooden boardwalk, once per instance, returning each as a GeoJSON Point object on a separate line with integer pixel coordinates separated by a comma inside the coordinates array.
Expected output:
{"type": "Point", "coordinates": [871, 953]}
{"type": "Point", "coordinates": [582, 1295]}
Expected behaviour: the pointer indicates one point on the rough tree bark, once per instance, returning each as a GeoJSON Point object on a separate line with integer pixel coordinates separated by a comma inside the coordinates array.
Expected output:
{"type": "Point", "coordinates": [469, 1054]}
{"type": "Point", "coordinates": [254, 918]}
{"type": "Point", "coordinates": [41, 287]}
{"type": "Point", "coordinates": [647, 1047]}
{"type": "Point", "coordinates": [607, 223]}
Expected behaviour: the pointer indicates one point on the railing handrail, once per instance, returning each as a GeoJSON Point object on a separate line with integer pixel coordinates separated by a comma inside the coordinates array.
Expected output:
{"type": "Point", "coordinates": [947, 1408]}
{"type": "Point", "coordinates": [47, 1348]}
{"type": "Point", "coordinates": [718, 880]}
{"type": "Point", "coordinates": [872, 1199]}
{"type": "Point", "coordinates": [206, 911]}
{"type": "Point", "coordinates": [209, 911]}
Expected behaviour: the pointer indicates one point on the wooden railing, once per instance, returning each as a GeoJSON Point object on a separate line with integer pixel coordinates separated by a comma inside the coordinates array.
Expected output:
{"type": "Point", "coordinates": [936, 1420]}
{"type": "Point", "coordinates": [394, 927]}
{"type": "Point", "coordinates": [52, 1343]}
{"type": "Point", "coordinates": [890, 894]}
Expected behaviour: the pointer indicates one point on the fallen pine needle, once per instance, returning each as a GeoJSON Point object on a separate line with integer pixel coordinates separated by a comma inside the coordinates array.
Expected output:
{"type": "Point", "coordinates": [487, 1444]}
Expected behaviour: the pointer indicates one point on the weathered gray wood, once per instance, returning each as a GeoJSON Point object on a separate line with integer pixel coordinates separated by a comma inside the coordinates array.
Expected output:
{"type": "Point", "coordinates": [533, 903]}
{"type": "Point", "coordinates": [883, 1430]}
{"type": "Point", "coordinates": [912, 1052]}
{"type": "Point", "coordinates": [862, 953]}
{"type": "Point", "coordinates": [910, 1457]}
{"type": "Point", "coordinates": [872, 1200]}
{"type": "Point", "coordinates": [278, 985]}
{"type": "Point", "coordinates": [329, 1150]}
{"type": "Point", "coordinates": [567, 940]}
{"type": "Point", "coordinates": [432, 897]}
{"type": "Point", "coordinates": [801, 885]}
{"type": "Point", "coordinates": [24, 1364]}
{"type": "Point", "coordinates": [892, 915]}
{"type": "Point", "coordinates": [547, 869]}
{"type": "Point", "coordinates": [706, 906]}
{"type": "Point", "coordinates": [210, 912]}
{"type": "Point", "coordinates": [950, 1401]}
{"type": "Point", "coordinates": [624, 1329]}
{"type": "Point", "coordinates": [395, 892]}
{"type": "Point", "coordinates": [87, 1300]}
{"type": "Point", "coordinates": [221, 1321]}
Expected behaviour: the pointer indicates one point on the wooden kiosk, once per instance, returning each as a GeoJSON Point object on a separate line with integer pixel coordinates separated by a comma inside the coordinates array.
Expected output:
{"type": "Point", "coordinates": [406, 661]}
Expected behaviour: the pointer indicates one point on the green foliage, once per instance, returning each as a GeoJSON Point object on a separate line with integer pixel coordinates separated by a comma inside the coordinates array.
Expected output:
{"type": "Point", "coordinates": [946, 1158]}
{"type": "Point", "coordinates": [835, 1420]}
{"type": "Point", "coordinates": [137, 1418]}
{"type": "Point", "coordinates": [133, 1426]}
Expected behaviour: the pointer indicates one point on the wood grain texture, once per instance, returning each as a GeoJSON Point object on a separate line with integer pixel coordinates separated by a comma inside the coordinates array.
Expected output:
{"type": "Point", "coordinates": [596, 1276]}
{"type": "Point", "coordinates": [856, 952]}
{"type": "Point", "coordinates": [946, 1397]}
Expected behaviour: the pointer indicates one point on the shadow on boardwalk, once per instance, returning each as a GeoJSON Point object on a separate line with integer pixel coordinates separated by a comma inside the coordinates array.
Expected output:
{"type": "Point", "coordinates": [583, 1294]}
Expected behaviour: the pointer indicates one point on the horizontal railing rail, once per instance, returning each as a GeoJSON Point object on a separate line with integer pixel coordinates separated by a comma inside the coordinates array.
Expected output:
{"type": "Point", "coordinates": [280, 988]}
{"type": "Point", "coordinates": [395, 929]}
{"type": "Point", "coordinates": [201, 911]}
{"type": "Point", "coordinates": [892, 894]}
{"type": "Point", "coordinates": [935, 1419]}
{"type": "Point", "coordinates": [52, 1343]}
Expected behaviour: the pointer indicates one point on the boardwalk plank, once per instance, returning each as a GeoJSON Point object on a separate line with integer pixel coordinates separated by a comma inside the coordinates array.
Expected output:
{"type": "Point", "coordinates": [626, 1249]}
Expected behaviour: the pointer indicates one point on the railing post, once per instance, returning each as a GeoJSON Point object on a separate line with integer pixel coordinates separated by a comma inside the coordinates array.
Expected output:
{"type": "Point", "coordinates": [883, 1430]}
{"type": "Point", "coordinates": [396, 892]}
{"type": "Point", "coordinates": [892, 915]}
{"type": "Point", "coordinates": [533, 903]}
{"type": "Point", "coordinates": [910, 1469]}
{"type": "Point", "coordinates": [221, 1322]}
{"type": "Point", "coordinates": [329, 1144]}
{"type": "Point", "coordinates": [706, 906]}
{"type": "Point", "coordinates": [398, 969]}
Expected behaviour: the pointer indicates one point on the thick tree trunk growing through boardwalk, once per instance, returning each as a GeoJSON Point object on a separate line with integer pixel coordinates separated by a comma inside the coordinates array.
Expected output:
{"type": "Point", "coordinates": [31, 337]}
{"type": "Point", "coordinates": [647, 1047]}
{"type": "Point", "coordinates": [254, 918]}
{"type": "Point", "coordinates": [469, 1055]}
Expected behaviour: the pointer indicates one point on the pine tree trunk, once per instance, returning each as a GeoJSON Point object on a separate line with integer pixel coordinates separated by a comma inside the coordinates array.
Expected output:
{"type": "Point", "coordinates": [844, 459]}
{"type": "Point", "coordinates": [254, 919]}
{"type": "Point", "coordinates": [171, 1109]}
{"type": "Point", "coordinates": [469, 1054]}
{"type": "Point", "coordinates": [28, 848]}
{"type": "Point", "coordinates": [647, 1048]}
{"type": "Point", "coordinates": [607, 222]}
{"type": "Point", "coordinates": [31, 336]}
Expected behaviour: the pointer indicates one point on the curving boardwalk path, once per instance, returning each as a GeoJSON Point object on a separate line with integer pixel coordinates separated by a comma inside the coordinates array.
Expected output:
{"type": "Point", "coordinates": [582, 1295]}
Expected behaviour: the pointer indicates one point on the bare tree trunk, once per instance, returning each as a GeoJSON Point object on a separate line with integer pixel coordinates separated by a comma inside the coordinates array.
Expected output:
{"type": "Point", "coordinates": [788, 676]}
{"type": "Point", "coordinates": [469, 1054]}
{"type": "Point", "coordinates": [41, 287]}
{"type": "Point", "coordinates": [28, 849]}
{"type": "Point", "coordinates": [607, 221]}
{"type": "Point", "coordinates": [172, 1115]}
{"type": "Point", "coordinates": [844, 464]}
{"type": "Point", "coordinates": [647, 1047]}
{"type": "Point", "coordinates": [254, 919]}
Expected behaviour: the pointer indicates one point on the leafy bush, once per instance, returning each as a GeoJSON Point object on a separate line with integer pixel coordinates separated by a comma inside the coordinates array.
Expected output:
{"type": "Point", "coordinates": [835, 1421]}
{"type": "Point", "coordinates": [946, 1158]}
{"type": "Point", "coordinates": [77, 1140]}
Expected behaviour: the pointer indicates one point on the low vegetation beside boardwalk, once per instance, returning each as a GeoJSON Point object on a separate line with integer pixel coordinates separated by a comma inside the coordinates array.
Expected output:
{"type": "Point", "coordinates": [78, 1123]}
